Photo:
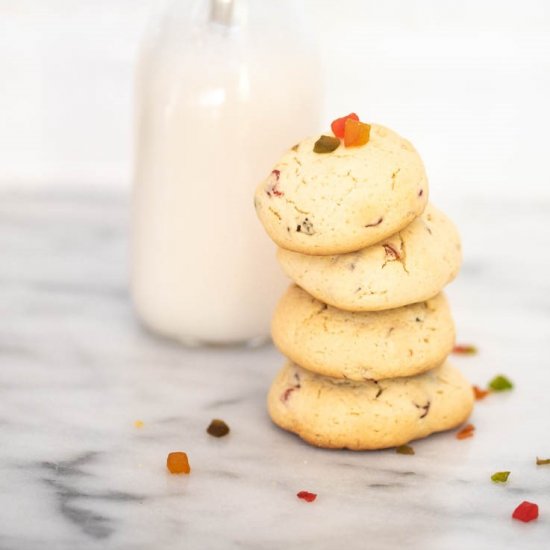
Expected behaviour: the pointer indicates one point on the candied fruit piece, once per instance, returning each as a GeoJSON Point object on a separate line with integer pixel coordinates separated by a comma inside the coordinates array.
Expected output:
{"type": "Point", "coordinates": [467, 431]}
{"type": "Point", "coordinates": [178, 463]}
{"type": "Point", "coordinates": [356, 133]}
{"type": "Point", "coordinates": [218, 428]}
{"type": "Point", "coordinates": [480, 393]}
{"type": "Point", "coordinates": [526, 511]}
{"type": "Point", "coordinates": [500, 477]}
{"type": "Point", "coordinates": [500, 383]}
{"type": "Point", "coordinates": [404, 450]}
{"type": "Point", "coordinates": [326, 144]}
{"type": "Point", "coordinates": [465, 349]}
{"type": "Point", "coordinates": [338, 126]}
{"type": "Point", "coordinates": [307, 496]}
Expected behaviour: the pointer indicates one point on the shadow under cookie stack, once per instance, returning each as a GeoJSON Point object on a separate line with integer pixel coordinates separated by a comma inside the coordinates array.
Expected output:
{"type": "Point", "coordinates": [366, 327]}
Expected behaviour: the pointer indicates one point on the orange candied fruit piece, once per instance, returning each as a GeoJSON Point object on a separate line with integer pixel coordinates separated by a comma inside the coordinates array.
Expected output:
{"type": "Point", "coordinates": [480, 393]}
{"type": "Point", "coordinates": [356, 133]}
{"type": "Point", "coordinates": [467, 431]}
{"type": "Point", "coordinates": [465, 349]}
{"type": "Point", "coordinates": [338, 126]}
{"type": "Point", "coordinates": [178, 463]}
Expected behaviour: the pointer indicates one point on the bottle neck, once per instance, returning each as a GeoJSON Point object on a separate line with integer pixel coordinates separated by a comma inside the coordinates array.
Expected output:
{"type": "Point", "coordinates": [221, 12]}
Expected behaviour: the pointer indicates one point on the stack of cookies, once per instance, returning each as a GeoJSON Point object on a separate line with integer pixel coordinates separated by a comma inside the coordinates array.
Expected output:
{"type": "Point", "coordinates": [366, 328]}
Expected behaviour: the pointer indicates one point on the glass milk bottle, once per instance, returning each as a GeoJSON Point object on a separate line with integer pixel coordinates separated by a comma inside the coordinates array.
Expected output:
{"type": "Point", "coordinates": [224, 88]}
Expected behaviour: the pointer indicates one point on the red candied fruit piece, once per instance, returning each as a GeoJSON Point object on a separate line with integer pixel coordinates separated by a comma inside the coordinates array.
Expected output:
{"type": "Point", "coordinates": [307, 496]}
{"type": "Point", "coordinates": [338, 126]}
{"type": "Point", "coordinates": [526, 511]}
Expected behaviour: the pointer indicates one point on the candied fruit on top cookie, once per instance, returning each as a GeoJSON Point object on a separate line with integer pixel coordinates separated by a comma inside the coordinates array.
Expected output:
{"type": "Point", "coordinates": [338, 126]}
{"type": "Point", "coordinates": [356, 133]}
{"type": "Point", "coordinates": [326, 144]}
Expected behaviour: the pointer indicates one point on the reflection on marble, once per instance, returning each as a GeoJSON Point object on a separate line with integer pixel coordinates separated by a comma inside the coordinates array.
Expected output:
{"type": "Point", "coordinates": [76, 371]}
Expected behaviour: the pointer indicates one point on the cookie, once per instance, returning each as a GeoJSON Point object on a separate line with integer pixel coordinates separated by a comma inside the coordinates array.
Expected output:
{"type": "Point", "coordinates": [345, 200]}
{"type": "Point", "coordinates": [335, 413]}
{"type": "Point", "coordinates": [408, 267]}
{"type": "Point", "coordinates": [363, 345]}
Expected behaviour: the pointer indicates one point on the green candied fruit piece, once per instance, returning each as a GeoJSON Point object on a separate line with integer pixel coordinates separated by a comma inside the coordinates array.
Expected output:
{"type": "Point", "coordinates": [404, 450]}
{"type": "Point", "coordinates": [500, 477]}
{"type": "Point", "coordinates": [500, 383]}
{"type": "Point", "coordinates": [326, 144]}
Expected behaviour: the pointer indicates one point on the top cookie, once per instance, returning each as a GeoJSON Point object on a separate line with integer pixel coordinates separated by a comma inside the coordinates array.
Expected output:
{"type": "Point", "coordinates": [338, 202]}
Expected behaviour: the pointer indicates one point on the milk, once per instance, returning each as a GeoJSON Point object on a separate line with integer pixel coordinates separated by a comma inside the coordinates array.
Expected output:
{"type": "Point", "coordinates": [217, 106]}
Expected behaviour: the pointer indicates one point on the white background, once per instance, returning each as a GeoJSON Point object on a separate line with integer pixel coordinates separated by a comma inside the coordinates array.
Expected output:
{"type": "Point", "coordinates": [468, 82]}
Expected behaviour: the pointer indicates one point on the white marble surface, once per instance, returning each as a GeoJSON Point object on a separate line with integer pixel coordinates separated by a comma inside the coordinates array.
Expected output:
{"type": "Point", "coordinates": [76, 371]}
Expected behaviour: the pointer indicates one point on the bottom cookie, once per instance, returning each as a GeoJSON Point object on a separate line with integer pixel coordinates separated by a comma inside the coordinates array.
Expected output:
{"type": "Point", "coordinates": [335, 413]}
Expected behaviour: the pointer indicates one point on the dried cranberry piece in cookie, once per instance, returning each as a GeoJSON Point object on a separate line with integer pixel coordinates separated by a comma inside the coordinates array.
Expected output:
{"type": "Point", "coordinates": [272, 183]}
